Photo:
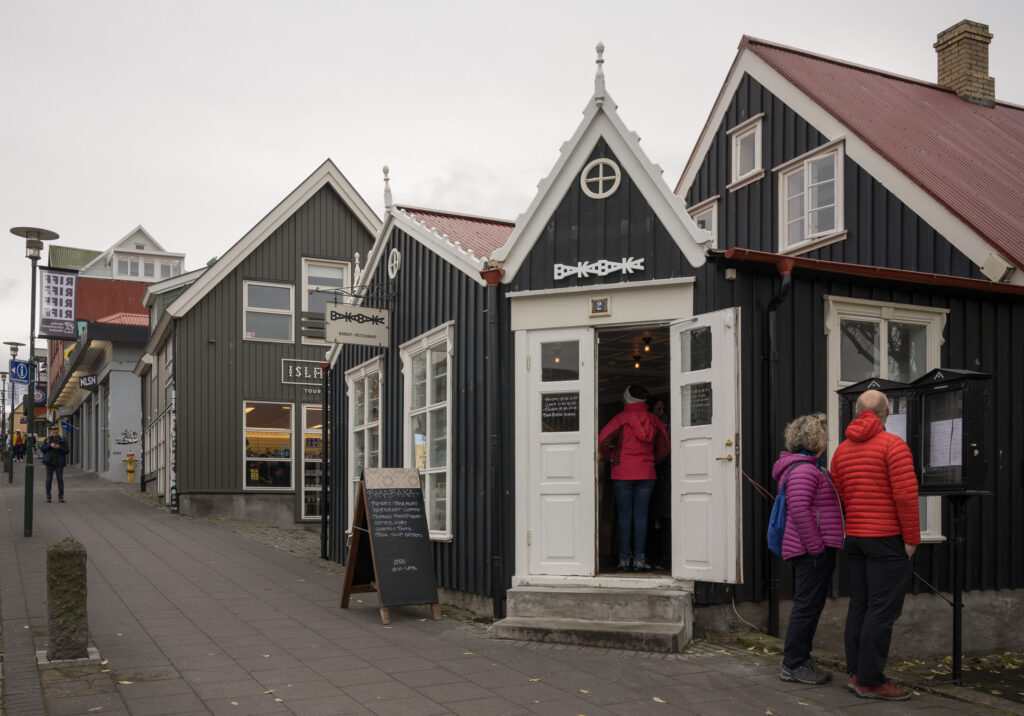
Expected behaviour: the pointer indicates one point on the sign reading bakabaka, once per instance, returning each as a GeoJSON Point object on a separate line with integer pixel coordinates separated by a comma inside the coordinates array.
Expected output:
{"type": "Point", "coordinates": [356, 325]}
{"type": "Point", "coordinates": [57, 304]}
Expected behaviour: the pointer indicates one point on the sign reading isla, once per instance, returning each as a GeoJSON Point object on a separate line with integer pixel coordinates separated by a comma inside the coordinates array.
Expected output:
{"type": "Point", "coordinates": [57, 304]}
{"type": "Point", "coordinates": [356, 325]}
{"type": "Point", "coordinates": [390, 551]}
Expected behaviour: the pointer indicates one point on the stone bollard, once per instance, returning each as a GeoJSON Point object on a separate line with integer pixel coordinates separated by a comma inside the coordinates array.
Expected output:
{"type": "Point", "coordinates": [65, 600]}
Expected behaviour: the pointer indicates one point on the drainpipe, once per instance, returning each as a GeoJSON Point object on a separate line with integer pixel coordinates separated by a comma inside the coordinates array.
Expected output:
{"type": "Point", "coordinates": [492, 275]}
{"type": "Point", "coordinates": [785, 267]}
{"type": "Point", "coordinates": [325, 458]}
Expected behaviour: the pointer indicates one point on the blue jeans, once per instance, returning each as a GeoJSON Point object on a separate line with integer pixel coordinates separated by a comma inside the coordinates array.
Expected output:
{"type": "Point", "coordinates": [632, 497]}
{"type": "Point", "coordinates": [50, 471]}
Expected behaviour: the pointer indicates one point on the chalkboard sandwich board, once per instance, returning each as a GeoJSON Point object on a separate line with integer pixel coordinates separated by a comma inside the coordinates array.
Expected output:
{"type": "Point", "coordinates": [390, 552]}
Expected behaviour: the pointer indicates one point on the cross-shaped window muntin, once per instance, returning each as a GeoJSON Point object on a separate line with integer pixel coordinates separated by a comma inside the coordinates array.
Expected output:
{"type": "Point", "coordinates": [600, 179]}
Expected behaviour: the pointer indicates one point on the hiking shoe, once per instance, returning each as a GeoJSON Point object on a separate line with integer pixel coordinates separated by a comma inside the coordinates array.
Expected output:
{"type": "Point", "coordinates": [852, 683]}
{"type": "Point", "coordinates": [48, 498]}
{"type": "Point", "coordinates": [60, 499]}
{"type": "Point", "coordinates": [889, 691]}
{"type": "Point", "coordinates": [624, 564]}
{"type": "Point", "coordinates": [641, 564]}
{"type": "Point", "coordinates": [806, 673]}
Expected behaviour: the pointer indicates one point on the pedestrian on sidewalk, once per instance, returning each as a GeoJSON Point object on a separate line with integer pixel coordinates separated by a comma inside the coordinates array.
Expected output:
{"type": "Point", "coordinates": [874, 473]}
{"type": "Point", "coordinates": [55, 451]}
{"type": "Point", "coordinates": [813, 534]}
{"type": "Point", "coordinates": [19, 445]}
{"type": "Point", "coordinates": [634, 441]}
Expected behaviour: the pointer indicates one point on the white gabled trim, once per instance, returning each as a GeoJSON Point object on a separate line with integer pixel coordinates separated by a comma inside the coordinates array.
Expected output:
{"type": "Point", "coordinates": [441, 244]}
{"type": "Point", "coordinates": [600, 120]}
{"type": "Point", "coordinates": [966, 239]}
{"type": "Point", "coordinates": [101, 259]}
{"type": "Point", "coordinates": [327, 174]}
{"type": "Point", "coordinates": [168, 284]}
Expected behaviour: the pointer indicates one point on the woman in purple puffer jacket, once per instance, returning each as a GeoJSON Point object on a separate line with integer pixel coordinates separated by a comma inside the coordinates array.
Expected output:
{"type": "Point", "coordinates": [814, 531]}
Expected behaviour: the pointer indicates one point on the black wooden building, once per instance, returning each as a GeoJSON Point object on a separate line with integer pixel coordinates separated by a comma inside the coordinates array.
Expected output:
{"type": "Point", "coordinates": [739, 309]}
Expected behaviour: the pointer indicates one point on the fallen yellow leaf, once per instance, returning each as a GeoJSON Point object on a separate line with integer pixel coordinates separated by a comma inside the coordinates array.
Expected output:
{"type": "Point", "coordinates": [803, 703]}
{"type": "Point", "coordinates": [584, 691]}
{"type": "Point", "coordinates": [96, 708]}
{"type": "Point", "coordinates": [656, 699]}
{"type": "Point", "coordinates": [269, 691]}
{"type": "Point", "coordinates": [537, 679]}
{"type": "Point", "coordinates": [279, 700]}
{"type": "Point", "coordinates": [234, 703]}
{"type": "Point", "coordinates": [126, 683]}
{"type": "Point", "coordinates": [104, 663]}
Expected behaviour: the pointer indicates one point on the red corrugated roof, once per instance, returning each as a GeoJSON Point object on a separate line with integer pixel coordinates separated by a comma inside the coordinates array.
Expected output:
{"type": "Point", "coordinates": [477, 233]}
{"type": "Point", "coordinates": [968, 157]}
{"type": "Point", "coordinates": [126, 319]}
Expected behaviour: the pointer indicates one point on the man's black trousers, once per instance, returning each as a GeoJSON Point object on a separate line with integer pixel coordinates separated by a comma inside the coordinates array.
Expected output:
{"type": "Point", "coordinates": [59, 470]}
{"type": "Point", "coordinates": [879, 576]}
{"type": "Point", "coordinates": [813, 576]}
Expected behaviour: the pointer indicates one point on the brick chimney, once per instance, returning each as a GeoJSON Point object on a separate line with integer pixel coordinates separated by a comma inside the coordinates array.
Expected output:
{"type": "Point", "coordinates": [963, 62]}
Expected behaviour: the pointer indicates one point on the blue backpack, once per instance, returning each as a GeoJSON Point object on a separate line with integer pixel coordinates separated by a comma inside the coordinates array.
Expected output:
{"type": "Point", "coordinates": [777, 521]}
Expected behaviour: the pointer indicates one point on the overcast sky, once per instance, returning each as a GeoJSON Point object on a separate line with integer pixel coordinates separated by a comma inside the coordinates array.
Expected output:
{"type": "Point", "coordinates": [194, 119]}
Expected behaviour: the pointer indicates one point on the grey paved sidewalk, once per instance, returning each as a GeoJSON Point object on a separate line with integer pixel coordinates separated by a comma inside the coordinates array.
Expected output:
{"type": "Point", "coordinates": [192, 618]}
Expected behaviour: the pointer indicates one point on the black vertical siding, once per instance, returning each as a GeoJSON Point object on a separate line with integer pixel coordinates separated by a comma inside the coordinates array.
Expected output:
{"type": "Point", "coordinates": [881, 229]}
{"type": "Point", "coordinates": [429, 292]}
{"type": "Point", "coordinates": [217, 370]}
{"type": "Point", "coordinates": [979, 335]}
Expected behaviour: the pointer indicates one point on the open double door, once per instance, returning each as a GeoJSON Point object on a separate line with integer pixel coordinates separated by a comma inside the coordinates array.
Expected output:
{"type": "Point", "coordinates": [556, 438]}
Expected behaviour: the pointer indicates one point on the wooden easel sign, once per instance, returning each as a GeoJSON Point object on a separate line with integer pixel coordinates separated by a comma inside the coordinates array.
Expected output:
{"type": "Point", "coordinates": [390, 552]}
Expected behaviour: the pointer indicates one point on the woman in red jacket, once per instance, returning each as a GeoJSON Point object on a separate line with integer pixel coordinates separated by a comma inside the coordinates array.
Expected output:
{"type": "Point", "coordinates": [634, 441]}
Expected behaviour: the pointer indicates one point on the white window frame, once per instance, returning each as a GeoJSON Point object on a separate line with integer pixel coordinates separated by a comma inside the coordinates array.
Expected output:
{"type": "Point", "coordinates": [303, 459]}
{"type": "Point", "coordinates": [709, 208]}
{"type": "Point", "coordinates": [362, 372]}
{"type": "Point", "coordinates": [306, 263]}
{"type": "Point", "coordinates": [800, 164]}
{"type": "Point", "coordinates": [148, 268]}
{"type": "Point", "coordinates": [291, 447]}
{"type": "Point", "coordinates": [838, 308]}
{"type": "Point", "coordinates": [117, 260]}
{"type": "Point", "coordinates": [443, 334]}
{"type": "Point", "coordinates": [290, 312]}
{"type": "Point", "coordinates": [165, 265]}
{"type": "Point", "coordinates": [749, 127]}
{"type": "Point", "coordinates": [133, 265]}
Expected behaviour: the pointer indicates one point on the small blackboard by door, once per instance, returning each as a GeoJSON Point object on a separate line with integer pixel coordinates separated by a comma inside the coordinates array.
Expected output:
{"type": "Point", "coordinates": [390, 552]}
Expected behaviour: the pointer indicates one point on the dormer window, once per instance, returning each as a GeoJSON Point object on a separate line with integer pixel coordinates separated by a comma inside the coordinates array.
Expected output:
{"type": "Point", "coordinates": [705, 215]}
{"type": "Point", "coordinates": [811, 199]}
{"type": "Point", "coordinates": [746, 152]}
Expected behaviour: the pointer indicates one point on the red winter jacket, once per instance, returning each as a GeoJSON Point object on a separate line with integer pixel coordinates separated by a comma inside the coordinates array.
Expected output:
{"type": "Point", "coordinates": [874, 473]}
{"type": "Point", "coordinates": [642, 445]}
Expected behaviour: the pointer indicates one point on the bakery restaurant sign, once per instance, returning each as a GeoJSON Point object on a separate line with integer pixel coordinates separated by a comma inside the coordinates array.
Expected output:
{"type": "Point", "coordinates": [356, 325]}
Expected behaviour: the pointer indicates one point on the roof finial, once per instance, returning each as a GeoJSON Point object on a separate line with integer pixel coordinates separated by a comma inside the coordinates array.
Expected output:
{"type": "Point", "coordinates": [599, 77]}
{"type": "Point", "coordinates": [388, 203]}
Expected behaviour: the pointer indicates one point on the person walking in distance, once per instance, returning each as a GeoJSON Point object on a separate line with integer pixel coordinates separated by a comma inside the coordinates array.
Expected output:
{"type": "Point", "coordinates": [55, 451]}
{"type": "Point", "coordinates": [874, 473]}
{"type": "Point", "coordinates": [813, 533]}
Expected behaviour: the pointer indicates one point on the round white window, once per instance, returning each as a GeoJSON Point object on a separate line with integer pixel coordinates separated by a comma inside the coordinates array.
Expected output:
{"type": "Point", "coordinates": [394, 263]}
{"type": "Point", "coordinates": [600, 178]}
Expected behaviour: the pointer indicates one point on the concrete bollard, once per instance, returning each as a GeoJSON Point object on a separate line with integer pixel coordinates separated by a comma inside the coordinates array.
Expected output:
{"type": "Point", "coordinates": [66, 600]}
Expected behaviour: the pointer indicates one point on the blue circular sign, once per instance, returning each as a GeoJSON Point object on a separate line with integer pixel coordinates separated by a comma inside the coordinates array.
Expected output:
{"type": "Point", "coordinates": [19, 371]}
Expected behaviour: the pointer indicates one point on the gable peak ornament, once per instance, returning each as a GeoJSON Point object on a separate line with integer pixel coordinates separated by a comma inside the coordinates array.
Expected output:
{"type": "Point", "coordinates": [599, 75]}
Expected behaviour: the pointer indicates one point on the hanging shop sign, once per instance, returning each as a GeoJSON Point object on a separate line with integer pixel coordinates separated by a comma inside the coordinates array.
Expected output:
{"type": "Point", "coordinates": [88, 382]}
{"type": "Point", "coordinates": [57, 304]}
{"type": "Point", "coordinates": [357, 325]}
{"type": "Point", "coordinates": [301, 372]}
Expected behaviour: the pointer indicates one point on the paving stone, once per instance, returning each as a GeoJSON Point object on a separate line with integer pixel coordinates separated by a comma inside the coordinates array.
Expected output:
{"type": "Point", "coordinates": [412, 706]}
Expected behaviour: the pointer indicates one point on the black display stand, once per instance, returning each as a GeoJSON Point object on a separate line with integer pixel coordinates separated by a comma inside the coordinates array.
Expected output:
{"type": "Point", "coordinates": [390, 551]}
{"type": "Point", "coordinates": [959, 539]}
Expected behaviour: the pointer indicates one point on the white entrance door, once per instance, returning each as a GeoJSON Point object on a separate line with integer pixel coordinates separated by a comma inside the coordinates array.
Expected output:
{"type": "Point", "coordinates": [559, 426]}
{"type": "Point", "coordinates": [705, 437]}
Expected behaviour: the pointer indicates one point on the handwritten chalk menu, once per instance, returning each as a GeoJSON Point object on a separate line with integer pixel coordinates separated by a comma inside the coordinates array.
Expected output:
{"type": "Point", "coordinates": [390, 552]}
{"type": "Point", "coordinates": [560, 412]}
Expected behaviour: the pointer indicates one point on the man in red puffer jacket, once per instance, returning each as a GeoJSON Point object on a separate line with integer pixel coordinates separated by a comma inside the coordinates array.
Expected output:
{"type": "Point", "coordinates": [874, 473]}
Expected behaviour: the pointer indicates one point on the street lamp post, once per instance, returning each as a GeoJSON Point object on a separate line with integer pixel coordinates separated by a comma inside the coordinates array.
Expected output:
{"type": "Point", "coordinates": [3, 410]}
{"type": "Point", "coordinates": [14, 354]}
{"type": "Point", "coordinates": [34, 239]}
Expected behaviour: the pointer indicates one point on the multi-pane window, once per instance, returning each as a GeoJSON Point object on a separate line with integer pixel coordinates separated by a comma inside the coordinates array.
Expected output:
{"type": "Point", "coordinates": [133, 265]}
{"type": "Point", "coordinates": [746, 150]}
{"type": "Point", "coordinates": [148, 267]}
{"type": "Point", "coordinates": [122, 265]}
{"type": "Point", "coordinates": [364, 421]}
{"type": "Point", "coordinates": [322, 279]}
{"type": "Point", "coordinates": [268, 312]}
{"type": "Point", "coordinates": [165, 270]}
{"type": "Point", "coordinates": [427, 367]}
{"type": "Point", "coordinates": [872, 339]}
{"type": "Point", "coordinates": [705, 215]}
{"type": "Point", "coordinates": [268, 445]}
{"type": "Point", "coordinates": [312, 460]}
{"type": "Point", "coordinates": [810, 198]}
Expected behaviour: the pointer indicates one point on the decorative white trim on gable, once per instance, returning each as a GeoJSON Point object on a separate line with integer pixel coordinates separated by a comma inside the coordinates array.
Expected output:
{"type": "Point", "coordinates": [600, 120]}
{"type": "Point", "coordinates": [463, 259]}
{"type": "Point", "coordinates": [955, 230]}
{"type": "Point", "coordinates": [327, 174]}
